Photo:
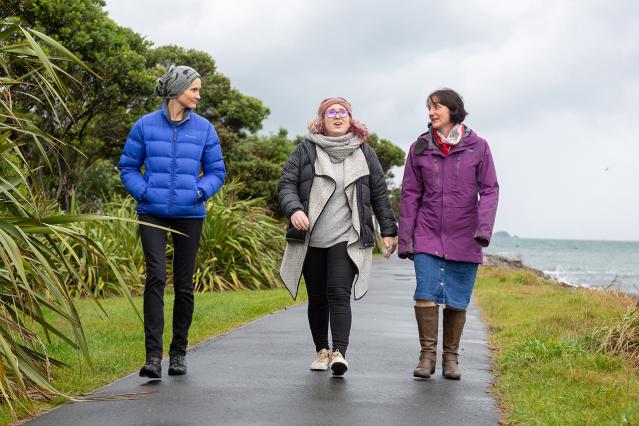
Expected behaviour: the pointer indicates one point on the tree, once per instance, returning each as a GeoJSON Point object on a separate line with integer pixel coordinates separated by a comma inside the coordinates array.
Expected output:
{"type": "Point", "coordinates": [389, 154]}
{"type": "Point", "coordinates": [98, 111]}
{"type": "Point", "coordinates": [233, 113]}
{"type": "Point", "coordinates": [105, 106]}
{"type": "Point", "coordinates": [258, 161]}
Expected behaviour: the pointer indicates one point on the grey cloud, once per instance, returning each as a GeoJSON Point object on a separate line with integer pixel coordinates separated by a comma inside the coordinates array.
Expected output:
{"type": "Point", "coordinates": [550, 84]}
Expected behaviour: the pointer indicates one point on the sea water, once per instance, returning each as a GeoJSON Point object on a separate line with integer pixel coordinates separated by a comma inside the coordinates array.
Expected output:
{"type": "Point", "coordinates": [603, 264]}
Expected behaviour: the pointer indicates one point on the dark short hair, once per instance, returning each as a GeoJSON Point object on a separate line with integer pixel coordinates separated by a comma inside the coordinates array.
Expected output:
{"type": "Point", "coordinates": [450, 99]}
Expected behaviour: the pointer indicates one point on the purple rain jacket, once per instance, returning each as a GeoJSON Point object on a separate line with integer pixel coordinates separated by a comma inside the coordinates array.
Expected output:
{"type": "Point", "coordinates": [448, 204]}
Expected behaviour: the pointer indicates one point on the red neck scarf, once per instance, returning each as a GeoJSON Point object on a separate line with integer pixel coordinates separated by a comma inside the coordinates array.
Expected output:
{"type": "Point", "coordinates": [442, 145]}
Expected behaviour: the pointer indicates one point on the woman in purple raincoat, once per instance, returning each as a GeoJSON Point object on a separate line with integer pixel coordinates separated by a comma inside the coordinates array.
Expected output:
{"type": "Point", "coordinates": [446, 215]}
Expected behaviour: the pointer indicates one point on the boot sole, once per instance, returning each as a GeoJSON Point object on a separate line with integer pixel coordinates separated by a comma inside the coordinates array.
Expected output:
{"type": "Point", "coordinates": [176, 373]}
{"type": "Point", "coordinates": [150, 374]}
{"type": "Point", "coordinates": [319, 368]}
{"type": "Point", "coordinates": [339, 369]}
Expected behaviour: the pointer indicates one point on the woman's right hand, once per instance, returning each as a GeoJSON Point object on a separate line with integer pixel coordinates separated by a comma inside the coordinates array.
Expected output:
{"type": "Point", "coordinates": [300, 221]}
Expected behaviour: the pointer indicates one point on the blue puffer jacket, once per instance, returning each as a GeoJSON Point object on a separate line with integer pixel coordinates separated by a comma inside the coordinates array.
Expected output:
{"type": "Point", "coordinates": [173, 156]}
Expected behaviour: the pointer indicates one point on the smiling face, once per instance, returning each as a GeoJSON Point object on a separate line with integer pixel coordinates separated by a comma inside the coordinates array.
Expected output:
{"type": "Point", "coordinates": [439, 115]}
{"type": "Point", "coordinates": [191, 96]}
{"type": "Point", "coordinates": [339, 124]}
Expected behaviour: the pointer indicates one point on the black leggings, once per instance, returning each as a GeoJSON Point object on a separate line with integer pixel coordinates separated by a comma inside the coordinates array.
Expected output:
{"type": "Point", "coordinates": [184, 252]}
{"type": "Point", "coordinates": [329, 274]}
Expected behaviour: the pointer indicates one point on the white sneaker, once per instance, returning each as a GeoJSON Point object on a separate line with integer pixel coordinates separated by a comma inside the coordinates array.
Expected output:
{"type": "Point", "coordinates": [338, 364]}
{"type": "Point", "coordinates": [320, 363]}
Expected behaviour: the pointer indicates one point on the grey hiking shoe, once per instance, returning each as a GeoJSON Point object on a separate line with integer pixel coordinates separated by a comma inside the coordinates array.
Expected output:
{"type": "Point", "coordinates": [177, 365]}
{"type": "Point", "coordinates": [152, 369]}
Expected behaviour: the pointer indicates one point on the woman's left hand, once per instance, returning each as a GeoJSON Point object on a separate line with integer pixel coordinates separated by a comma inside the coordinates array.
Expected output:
{"type": "Point", "coordinates": [391, 245]}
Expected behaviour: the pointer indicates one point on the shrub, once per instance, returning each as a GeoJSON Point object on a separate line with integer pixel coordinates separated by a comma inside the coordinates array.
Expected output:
{"type": "Point", "coordinates": [242, 244]}
{"type": "Point", "coordinates": [620, 338]}
{"type": "Point", "coordinates": [240, 248]}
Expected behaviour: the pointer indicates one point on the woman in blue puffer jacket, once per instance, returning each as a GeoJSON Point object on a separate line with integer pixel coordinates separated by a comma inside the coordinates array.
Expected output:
{"type": "Point", "coordinates": [183, 167]}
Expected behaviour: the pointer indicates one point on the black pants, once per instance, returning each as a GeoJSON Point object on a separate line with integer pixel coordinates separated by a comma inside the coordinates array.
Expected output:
{"type": "Point", "coordinates": [185, 248]}
{"type": "Point", "coordinates": [329, 274]}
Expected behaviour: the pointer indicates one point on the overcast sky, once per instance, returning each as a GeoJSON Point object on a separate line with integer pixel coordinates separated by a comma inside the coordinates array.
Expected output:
{"type": "Point", "coordinates": [552, 85]}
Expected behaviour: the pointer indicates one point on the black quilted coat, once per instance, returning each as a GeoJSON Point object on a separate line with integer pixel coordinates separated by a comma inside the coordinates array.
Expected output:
{"type": "Point", "coordinates": [295, 188]}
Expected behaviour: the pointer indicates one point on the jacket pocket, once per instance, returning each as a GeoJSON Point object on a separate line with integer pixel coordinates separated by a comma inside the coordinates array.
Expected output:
{"type": "Point", "coordinates": [142, 199]}
{"type": "Point", "coordinates": [197, 201]}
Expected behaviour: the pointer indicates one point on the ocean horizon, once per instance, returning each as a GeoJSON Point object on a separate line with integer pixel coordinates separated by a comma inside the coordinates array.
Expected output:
{"type": "Point", "coordinates": [604, 264]}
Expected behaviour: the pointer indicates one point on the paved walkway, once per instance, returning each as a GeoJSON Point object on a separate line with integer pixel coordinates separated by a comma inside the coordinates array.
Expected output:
{"type": "Point", "coordinates": [258, 374]}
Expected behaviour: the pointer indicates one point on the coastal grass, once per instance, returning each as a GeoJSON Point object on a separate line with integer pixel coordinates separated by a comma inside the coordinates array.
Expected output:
{"type": "Point", "coordinates": [116, 343]}
{"type": "Point", "coordinates": [561, 355]}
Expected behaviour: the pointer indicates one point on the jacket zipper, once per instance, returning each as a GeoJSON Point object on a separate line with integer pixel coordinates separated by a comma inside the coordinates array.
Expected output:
{"type": "Point", "coordinates": [457, 167]}
{"type": "Point", "coordinates": [441, 217]}
{"type": "Point", "coordinates": [173, 168]}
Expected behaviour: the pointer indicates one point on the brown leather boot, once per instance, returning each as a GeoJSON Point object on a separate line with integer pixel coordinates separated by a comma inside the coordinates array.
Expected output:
{"type": "Point", "coordinates": [454, 320]}
{"type": "Point", "coordinates": [427, 321]}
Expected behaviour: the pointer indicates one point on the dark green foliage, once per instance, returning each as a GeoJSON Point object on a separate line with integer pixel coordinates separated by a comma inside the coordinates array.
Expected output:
{"type": "Point", "coordinates": [258, 162]}
{"type": "Point", "coordinates": [97, 184]}
{"type": "Point", "coordinates": [240, 248]}
{"type": "Point", "coordinates": [389, 154]}
{"type": "Point", "coordinates": [241, 245]}
{"type": "Point", "coordinates": [396, 195]}
{"type": "Point", "coordinates": [104, 108]}
{"type": "Point", "coordinates": [230, 111]}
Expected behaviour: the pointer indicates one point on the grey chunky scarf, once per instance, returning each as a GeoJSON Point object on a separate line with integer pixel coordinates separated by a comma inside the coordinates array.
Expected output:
{"type": "Point", "coordinates": [337, 147]}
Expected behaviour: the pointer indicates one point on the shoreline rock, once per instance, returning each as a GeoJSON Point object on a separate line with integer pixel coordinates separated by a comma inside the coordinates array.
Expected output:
{"type": "Point", "coordinates": [506, 263]}
{"type": "Point", "coordinates": [511, 264]}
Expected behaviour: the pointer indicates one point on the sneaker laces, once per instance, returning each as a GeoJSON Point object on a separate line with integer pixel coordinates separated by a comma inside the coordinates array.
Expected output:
{"type": "Point", "coordinates": [336, 355]}
{"type": "Point", "coordinates": [322, 356]}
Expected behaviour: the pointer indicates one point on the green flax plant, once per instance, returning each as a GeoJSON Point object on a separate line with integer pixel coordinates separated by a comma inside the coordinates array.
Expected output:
{"type": "Point", "coordinates": [241, 246]}
{"type": "Point", "coordinates": [37, 263]}
{"type": "Point", "coordinates": [120, 241]}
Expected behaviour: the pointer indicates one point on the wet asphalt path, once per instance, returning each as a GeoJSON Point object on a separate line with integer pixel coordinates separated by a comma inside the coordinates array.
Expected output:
{"type": "Point", "coordinates": [258, 374]}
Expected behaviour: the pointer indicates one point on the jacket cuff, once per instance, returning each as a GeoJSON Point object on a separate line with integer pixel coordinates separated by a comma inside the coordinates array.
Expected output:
{"type": "Point", "coordinates": [296, 209]}
{"type": "Point", "coordinates": [482, 240]}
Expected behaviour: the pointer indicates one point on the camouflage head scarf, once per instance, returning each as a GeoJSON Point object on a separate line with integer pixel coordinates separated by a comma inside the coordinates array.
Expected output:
{"type": "Point", "coordinates": [175, 81]}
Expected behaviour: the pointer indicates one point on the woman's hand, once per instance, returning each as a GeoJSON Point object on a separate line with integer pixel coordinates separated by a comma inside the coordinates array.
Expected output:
{"type": "Point", "coordinates": [300, 221]}
{"type": "Point", "coordinates": [391, 245]}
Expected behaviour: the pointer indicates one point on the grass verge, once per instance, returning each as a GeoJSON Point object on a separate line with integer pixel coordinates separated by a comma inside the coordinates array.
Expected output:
{"type": "Point", "coordinates": [116, 343]}
{"type": "Point", "coordinates": [549, 352]}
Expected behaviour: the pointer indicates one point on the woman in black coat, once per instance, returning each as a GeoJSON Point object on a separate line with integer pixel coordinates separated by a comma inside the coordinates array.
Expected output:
{"type": "Point", "coordinates": [328, 186]}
